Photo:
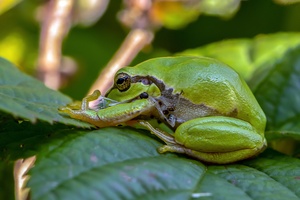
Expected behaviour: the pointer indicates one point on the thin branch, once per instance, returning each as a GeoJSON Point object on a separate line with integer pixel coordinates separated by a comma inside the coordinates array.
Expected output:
{"type": "Point", "coordinates": [55, 25]}
{"type": "Point", "coordinates": [136, 17]}
{"type": "Point", "coordinates": [21, 167]}
{"type": "Point", "coordinates": [132, 45]}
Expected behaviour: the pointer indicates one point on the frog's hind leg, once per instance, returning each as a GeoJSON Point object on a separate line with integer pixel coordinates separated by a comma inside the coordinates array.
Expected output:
{"type": "Point", "coordinates": [175, 147]}
{"type": "Point", "coordinates": [171, 144]}
{"type": "Point", "coordinates": [166, 137]}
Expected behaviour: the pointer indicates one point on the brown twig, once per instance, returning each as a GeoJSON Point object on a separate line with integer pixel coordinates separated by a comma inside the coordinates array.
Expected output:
{"type": "Point", "coordinates": [21, 167]}
{"type": "Point", "coordinates": [56, 23]}
{"type": "Point", "coordinates": [131, 46]}
{"type": "Point", "coordinates": [136, 17]}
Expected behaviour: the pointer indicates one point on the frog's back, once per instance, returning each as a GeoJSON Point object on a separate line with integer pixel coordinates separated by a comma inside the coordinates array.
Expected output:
{"type": "Point", "coordinates": [205, 81]}
{"type": "Point", "coordinates": [189, 74]}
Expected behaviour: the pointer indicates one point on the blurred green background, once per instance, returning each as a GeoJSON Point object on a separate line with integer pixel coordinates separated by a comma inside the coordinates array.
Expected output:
{"type": "Point", "coordinates": [92, 47]}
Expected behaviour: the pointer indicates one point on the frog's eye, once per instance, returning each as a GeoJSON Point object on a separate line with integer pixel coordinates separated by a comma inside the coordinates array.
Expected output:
{"type": "Point", "coordinates": [122, 81]}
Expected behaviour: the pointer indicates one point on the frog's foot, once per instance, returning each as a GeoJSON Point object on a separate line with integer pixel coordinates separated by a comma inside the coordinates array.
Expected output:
{"type": "Point", "coordinates": [166, 137]}
{"type": "Point", "coordinates": [209, 157]}
{"type": "Point", "coordinates": [86, 100]}
{"type": "Point", "coordinates": [69, 111]}
{"type": "Point", "coordinates": [177, 148]}
{"type": "Point", "coordinates": [80, 110]}
{"type": "Point", "coordinates": [172, 148]}
{"type": "Point", "coordinates": [89, 116]}
{"type": "Point", "coordinates": [80, 106]}
{"type": "Point", "coordinates": [171, 144]}
{"type": "Point", "coordinates": [76, 105]}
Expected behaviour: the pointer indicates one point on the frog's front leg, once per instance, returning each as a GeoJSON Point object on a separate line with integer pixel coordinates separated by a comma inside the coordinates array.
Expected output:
{"type": "Point", "coordinates": [109, 116]}
{"type": "Point", "coordinates": [83, 105]}
{"type": "Point", "coordinates": [215, 139]}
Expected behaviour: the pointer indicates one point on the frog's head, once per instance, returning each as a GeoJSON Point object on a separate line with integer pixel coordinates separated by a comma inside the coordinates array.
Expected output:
{"type": "Point", "coordinates": [129, 85]}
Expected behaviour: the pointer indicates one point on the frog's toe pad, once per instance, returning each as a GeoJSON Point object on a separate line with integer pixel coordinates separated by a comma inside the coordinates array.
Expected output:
{"type": "Point", "coordinates": [163, 149]}
{"type": "Point", "coordinates": [171, 148]}
{"type": "Point", "coordinates": [65, 111]}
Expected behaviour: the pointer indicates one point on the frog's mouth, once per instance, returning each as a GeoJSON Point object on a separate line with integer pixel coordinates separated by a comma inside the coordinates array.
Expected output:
{"type": "Point", "coordinates": [153, 89]}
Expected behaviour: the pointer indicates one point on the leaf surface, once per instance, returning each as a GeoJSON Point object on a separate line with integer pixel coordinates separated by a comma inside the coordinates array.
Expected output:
{"type": "Point", "coordinates": [122, 163]}
{"type": "Point", "coordinates": [25, 97]}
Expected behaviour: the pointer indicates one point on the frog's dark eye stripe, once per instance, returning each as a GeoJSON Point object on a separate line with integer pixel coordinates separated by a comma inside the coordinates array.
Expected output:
{"type": "Point", "coordinates": [145, 81]}
{"type": "Point", "coordinates": [122, 82]}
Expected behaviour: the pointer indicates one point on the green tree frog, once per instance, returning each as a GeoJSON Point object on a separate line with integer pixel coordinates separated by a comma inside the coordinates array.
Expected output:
{"type": "Point", "coordinates": [213, 113]}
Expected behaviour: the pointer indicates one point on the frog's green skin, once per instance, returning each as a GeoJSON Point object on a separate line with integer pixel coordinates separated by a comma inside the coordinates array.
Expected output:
{"type": "Point", "coordinates": [212, 111]}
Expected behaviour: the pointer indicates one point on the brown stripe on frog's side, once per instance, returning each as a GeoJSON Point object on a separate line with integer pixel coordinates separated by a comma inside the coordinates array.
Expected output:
{"type": "Point", "coordinates": [167, 98]}
{"type": "Point", "coordinates": [174, 108]}
{"type": "Point", "coordinates": [148, 80]}
{"type": "Point", "coordinates": [186, 110]}
{"type": "Point", "coordinates": [233, 113]}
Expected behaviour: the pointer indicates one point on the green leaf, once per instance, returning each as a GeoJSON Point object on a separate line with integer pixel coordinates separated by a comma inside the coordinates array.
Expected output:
{"type": "Point", "coordinates": [277, 134]}
{"type": "Point", "coordinates": [25, 97]}
{"type": "Point", "coordinates": [21, 139]}
{"type": "Point", "coordinates": [177, 14]}
{"type": "Point", "coordinates": [285, 170]}
{"type": "Point", "coordinates": [286, 2]}
{"type": "Point", "coordinates": [6, 181]}
{"type": "Point", "coordinates": [276, 87]}
{"type": "Point", "coordinates": [7, 4]}
{"type": "Point", "coordinates": [278, 92]}
{"type": "Point", "coordinates": [122, 163]}
{"type": "Point", "coordinates": [247, 55]}
{"type": "Point", "coordinates": [261, 180]}
{"type": "Point", "coordinates": [220, 8]}
{"type": "Point", "coordinates": [111, 163]}
{"type": "Point", "coordinates": [235, 53]}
